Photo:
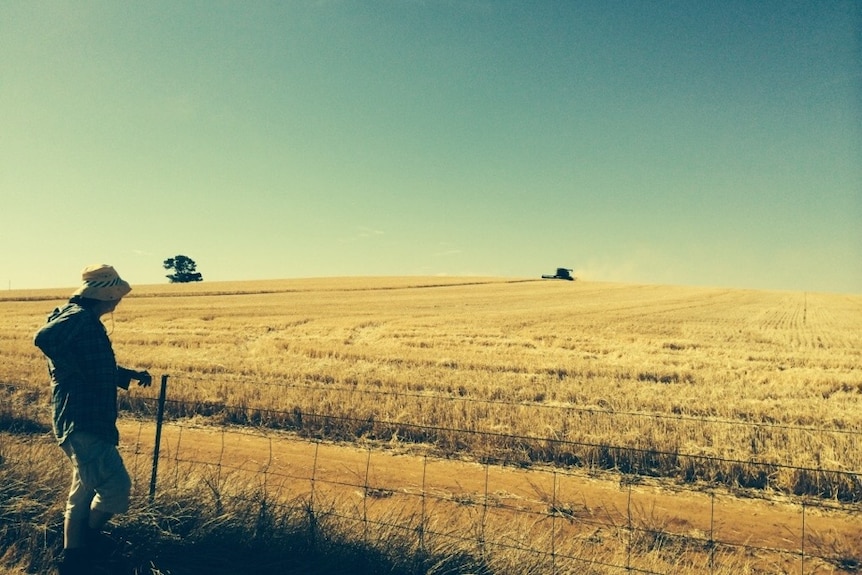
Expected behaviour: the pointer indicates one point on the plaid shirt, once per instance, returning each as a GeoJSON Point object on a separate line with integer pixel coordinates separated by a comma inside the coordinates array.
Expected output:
{"type": "Point", "coordinates": [84, 373]}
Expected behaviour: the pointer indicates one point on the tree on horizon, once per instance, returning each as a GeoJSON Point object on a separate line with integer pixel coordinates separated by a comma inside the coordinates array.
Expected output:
{"type": "Point", "coordinates": [184, 269]}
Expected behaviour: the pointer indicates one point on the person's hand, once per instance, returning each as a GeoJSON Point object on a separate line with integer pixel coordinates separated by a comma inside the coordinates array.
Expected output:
{"type": "Point", "coordinates": [144, 378]}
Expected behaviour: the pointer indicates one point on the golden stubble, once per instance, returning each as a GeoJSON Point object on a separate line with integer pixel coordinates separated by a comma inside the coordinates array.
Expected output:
{"type": "Point", "coordinates": [732, 374]}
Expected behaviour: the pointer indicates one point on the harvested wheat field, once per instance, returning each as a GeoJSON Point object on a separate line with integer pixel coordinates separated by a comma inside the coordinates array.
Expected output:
{"type": "Point", "coordinates": [721, 424]}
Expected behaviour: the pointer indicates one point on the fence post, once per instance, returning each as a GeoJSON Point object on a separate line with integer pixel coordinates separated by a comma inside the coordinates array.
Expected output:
{"type": "Point", "coordinates": [160, 416]}
{"type": "Point", "coordinates": [485, 514]}
{"type": "Point", "coordinates": [554, 509]}
{"type": "Point", "coordinates": [630, 527]}
{"type": "Point", "coordinates": [365, 496]}
{"type": "Point", "coordinates": [802, 548]}
{"type": "Point", "coordinates": [312, 520]}
{"type": "Point", "coordinates": [712, 532]}
{"type": "Point", "coordinates": [422, 524]}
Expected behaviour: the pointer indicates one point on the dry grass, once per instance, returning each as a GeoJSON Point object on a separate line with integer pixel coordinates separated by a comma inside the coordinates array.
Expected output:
{"type": "Point", "coordinates": [690, 383]}
{"type": "Point", "coordinates": [231, 524]}
{"type": "Point", "coordinates": [183, 533]}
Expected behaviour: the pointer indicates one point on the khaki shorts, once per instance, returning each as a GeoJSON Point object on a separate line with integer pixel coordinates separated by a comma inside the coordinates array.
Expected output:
{"type": "Point", "coordinates": [99, 477]}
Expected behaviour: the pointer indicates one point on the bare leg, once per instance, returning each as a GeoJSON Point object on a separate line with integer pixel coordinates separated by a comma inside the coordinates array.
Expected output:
{"type": "Point", "coordinates": [77, 516]}
{"type": "Point", "coordinates": [75, 530]}
{"type": "Point", "coordinates": [74, 533]}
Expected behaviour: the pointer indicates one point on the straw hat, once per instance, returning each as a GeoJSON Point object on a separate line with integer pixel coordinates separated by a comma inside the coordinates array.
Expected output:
{"type": "Point", "coordinates": [102, 282]}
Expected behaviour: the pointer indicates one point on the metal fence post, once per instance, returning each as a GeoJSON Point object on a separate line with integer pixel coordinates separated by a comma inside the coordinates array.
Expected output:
{"type": "Point", "coordinates": [159, 419]}
{"type": "Point", "coordinates": [802, 543]}
{"type": "Point", "coordinates": [554, 509]}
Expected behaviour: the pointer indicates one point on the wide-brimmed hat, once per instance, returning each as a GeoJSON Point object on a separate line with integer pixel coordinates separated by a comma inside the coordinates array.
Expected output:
{"type": "Point", "coordinates": [102, 282]}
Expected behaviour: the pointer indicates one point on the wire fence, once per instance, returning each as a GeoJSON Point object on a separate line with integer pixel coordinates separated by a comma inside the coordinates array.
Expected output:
{"type": "Point", "coordinates": [563, 518]}
{"type": "Point", "coordinates": [801, 460]}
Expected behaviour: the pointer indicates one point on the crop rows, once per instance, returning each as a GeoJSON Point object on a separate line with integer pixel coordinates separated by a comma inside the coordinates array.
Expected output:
{"type": "Point", "coordinates": [692, 384]}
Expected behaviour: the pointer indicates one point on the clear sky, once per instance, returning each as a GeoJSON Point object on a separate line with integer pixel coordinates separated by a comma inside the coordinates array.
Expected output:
{"type": "Point", "coordinates": [680, 142]}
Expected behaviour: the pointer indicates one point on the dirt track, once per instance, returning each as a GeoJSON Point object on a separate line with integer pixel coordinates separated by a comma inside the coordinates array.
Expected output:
{"type": "Point", "coordinates": [373, 483]}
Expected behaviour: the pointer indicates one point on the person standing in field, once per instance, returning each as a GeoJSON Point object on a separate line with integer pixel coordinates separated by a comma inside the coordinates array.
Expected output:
{"type": "Point", "coordinates": [84, 381]}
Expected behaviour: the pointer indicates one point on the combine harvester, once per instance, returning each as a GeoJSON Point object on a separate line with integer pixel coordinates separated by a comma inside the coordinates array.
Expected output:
{"type": "Point", "coordinates": [562, 274]}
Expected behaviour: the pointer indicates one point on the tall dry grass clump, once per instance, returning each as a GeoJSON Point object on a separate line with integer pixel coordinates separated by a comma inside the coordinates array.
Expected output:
{"type": "Point", "coordinates": [234, 528]}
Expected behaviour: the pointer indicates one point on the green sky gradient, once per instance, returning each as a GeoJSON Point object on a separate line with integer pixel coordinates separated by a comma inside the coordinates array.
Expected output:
{"type": "Point", "coordinates": [697, 143]}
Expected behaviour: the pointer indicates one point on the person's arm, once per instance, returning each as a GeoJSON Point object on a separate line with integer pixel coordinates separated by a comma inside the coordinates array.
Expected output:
{"type": "Point", "coordinates": [126, 375]}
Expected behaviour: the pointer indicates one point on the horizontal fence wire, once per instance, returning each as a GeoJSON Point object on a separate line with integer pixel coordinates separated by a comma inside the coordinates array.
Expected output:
{"type": "Point", "coordinates": [224, 466]}
{"type": "Point", "coordinates": [550, 513]}
{"type": "Point", "coordinates": [851, 477]}
{"type": "Point", "coordinates": [539, 405]}
{"type": "Point", "coordinates": [318, 486]}
{"type": "Point", "coordinates": [805, 479]}
{"type": "Point", "coordinates": [426, 430]}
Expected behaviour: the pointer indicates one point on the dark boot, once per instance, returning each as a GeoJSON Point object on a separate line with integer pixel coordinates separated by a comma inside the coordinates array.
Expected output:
{"type": "Point", "coordinates": [100, 545]}
{"type": "Point", "coordinates": [74, 562]}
